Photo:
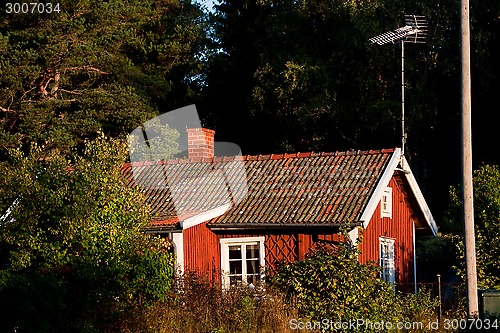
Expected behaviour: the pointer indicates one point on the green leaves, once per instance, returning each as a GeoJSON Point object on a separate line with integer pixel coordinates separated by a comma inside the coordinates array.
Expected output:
{"type": "Point", "coordinates": [487, 225]}
{"type": "Point", "coordinates": [331, 283]}
{"type": "Point", "coordinates": [74, 221]}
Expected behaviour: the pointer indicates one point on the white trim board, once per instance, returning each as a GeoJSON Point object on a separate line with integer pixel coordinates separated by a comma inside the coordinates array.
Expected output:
{"type": "Point", "coordinates": [203, 217]}
{"type": "Point", "coordinates": [380, 188]}
{"type": "Point", "coordinates": [384, 182]}
{"type": "Point", "coordinates": [178, 242]}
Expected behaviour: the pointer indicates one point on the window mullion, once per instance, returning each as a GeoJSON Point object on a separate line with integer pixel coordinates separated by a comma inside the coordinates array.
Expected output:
{"type": "Point", "coordinates": [244, 263]}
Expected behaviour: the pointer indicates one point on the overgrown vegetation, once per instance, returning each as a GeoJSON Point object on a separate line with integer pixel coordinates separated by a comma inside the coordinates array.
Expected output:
{"type": "Point", "coordinates": [487, 225]}
{"type": "Point", "coordinates": [310, 290]}
{"type": "Point", "coordinates": [73, 254]}
{"type": "Point", "coordinates": [197, 306]}
{"type": "Point", "coordinates": [331, 283]}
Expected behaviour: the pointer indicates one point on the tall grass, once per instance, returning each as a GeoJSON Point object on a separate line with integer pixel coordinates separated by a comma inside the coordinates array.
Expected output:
{"type": "Point", "coordinates": [198, 306]}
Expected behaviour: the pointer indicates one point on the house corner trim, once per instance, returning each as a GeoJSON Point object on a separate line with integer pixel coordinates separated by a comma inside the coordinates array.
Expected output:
{"type": "Point", "coordinates": [178, 242]}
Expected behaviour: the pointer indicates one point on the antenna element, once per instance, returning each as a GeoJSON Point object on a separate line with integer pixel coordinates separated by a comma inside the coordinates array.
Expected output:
{"type": "Point", "coordinates": [415, 31]}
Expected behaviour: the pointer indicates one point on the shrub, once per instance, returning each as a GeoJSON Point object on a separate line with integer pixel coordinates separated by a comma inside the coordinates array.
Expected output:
{"type": "Point", "coordinates": [73, 254]}
{"type": "Point", "coordinates": [331, 284]}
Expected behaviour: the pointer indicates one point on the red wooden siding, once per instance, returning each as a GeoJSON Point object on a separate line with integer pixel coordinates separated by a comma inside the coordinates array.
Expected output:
{"type": "Point", "coordinates": [202, 251]}
{"type": "Point", "coordinates": [202, 248]}
{"type": "Point", "coordinates": [399, 228]}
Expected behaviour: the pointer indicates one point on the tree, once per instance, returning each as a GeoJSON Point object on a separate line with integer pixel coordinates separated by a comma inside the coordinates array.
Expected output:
{"type": "Point", "coordinates": [304, 73]}
{"type": "Point", "coordinates": [301, 75]}
{"type": "Point", "coordinates": [73, 253]}
{"type": "Point", "coordinates": [333, 284]}
{"type": "Point", "coordinates": [487, 225]}
{"type": "Point", "coordinates": [94, 66]}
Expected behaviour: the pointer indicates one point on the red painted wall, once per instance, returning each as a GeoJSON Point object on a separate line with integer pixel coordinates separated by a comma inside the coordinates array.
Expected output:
{"type": "Point", "coordinates": [399, 227]}
{"type": "Point", "coordinates": [202, 248]}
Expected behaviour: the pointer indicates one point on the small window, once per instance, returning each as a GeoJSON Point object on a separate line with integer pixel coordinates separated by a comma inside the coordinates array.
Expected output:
{"type": "Point", "coordinates": [387, 260]}
{"type": "Point", "coordinates": [242, 260]}
{"type": "Point", "coordinates": [386, 203]}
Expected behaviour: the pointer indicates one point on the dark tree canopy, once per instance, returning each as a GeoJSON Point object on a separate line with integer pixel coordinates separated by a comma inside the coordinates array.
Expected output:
{"type": "Point", "coordinates": [95, 65]}
{"type": "Point", "coordinates": [301, 75]}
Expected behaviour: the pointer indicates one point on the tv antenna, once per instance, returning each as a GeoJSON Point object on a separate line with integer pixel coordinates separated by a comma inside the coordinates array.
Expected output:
{"type": "Point", "coordinates": [414, 31]}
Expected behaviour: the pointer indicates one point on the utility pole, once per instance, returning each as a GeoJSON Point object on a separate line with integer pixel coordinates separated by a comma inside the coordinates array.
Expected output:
{"type": "Point", "coordinates": [403, 130]}
{"type": "Point", "coordinates": [467, 191]}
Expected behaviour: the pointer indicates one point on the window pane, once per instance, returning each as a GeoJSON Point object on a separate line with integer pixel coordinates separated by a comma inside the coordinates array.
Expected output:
{"type": "Point", "coordinates": [252, 266]}
{"type": "Point", "coordinates": [234, 280]}
{"type": "Point", "coordinates": [235, 252]}
{"type": "Point", "coordinates": [235, 267]}
{"type": "Point", "coordinates": [252, 251]}
{"type": "Point", "coordinates": [255, 278]}
{"type": "Point", "coordinates": [387, 261]}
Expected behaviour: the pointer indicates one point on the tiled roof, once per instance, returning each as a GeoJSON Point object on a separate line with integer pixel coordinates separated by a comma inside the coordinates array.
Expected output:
{"type": "Point", "coordinates": [292, 189]}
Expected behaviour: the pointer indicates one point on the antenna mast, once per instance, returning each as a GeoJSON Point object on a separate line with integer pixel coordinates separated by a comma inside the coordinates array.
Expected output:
{"type": "Point", "coordinates": [414, 31]}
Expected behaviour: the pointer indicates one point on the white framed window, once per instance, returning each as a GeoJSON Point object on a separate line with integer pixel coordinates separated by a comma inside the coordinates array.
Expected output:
{"type": "Point", "coordinates": [386, 203]}
{"type": "Point", "coordinates": [242, 260]}
{"type": "Point", "coordinates": [387, 260]}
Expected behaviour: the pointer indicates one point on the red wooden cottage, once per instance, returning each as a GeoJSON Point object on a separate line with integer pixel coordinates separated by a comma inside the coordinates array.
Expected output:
{"type": "Point", "coordinates": [294, 201]}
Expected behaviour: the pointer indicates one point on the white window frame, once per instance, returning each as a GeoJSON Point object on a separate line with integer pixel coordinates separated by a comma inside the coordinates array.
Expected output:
{"type": "Point", "coordinates": [386, 203]}
{"type": "Point", "coordinates": [224, 257]}
{"type": "Point", "coordinates": [387, 260]}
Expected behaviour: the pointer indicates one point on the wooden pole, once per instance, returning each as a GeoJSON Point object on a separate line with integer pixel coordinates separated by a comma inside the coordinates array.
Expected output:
{"type": "Point", "coordinates": [403, 133]}
{"type": "Point", "coordinates": [467, 192]}
{"type": "Point", "coordinates": [440, 299]}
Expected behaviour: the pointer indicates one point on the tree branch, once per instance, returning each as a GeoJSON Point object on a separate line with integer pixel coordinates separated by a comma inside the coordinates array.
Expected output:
{"type": "Point", "coordinates": [89, 68]}
{"type": "Point", "coordinates": [70, 92]}
{"type": "Point", "coordinates": [79, 13]}
{"type": "Point", "coordinates": [57, 77]}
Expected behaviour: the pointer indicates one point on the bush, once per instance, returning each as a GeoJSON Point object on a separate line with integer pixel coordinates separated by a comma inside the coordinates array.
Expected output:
{"type": "Point", "coordinates": [73, 254]}
{"type": "Point", "coordinates": [486, 223]}
{"type": "Point", "coordinates": [331, 284]}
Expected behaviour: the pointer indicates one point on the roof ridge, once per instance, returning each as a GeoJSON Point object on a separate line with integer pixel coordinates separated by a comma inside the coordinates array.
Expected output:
{"type": "Point", "coordinates": [260, 157]}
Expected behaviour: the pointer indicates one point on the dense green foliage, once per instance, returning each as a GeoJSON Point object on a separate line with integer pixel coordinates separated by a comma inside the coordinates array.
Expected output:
{"type": "Point", "coordinates": [95, 66]}
{"type": "Point", "coordinates": [331, 283]}
{"type": "Point", "coordinates": [73, 254]}
{"type": "Point", "coordinates": [487, 225]}
{"type": "Point", "coordinates": [322, 289]}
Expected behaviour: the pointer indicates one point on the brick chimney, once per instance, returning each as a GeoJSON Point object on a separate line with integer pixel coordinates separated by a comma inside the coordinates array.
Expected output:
{"type": "Point", "coordinates": [200, 142]}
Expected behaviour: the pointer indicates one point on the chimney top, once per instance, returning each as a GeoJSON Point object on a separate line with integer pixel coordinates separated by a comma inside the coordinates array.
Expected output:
{"type": "Point", "coordinates": [200, 142]}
